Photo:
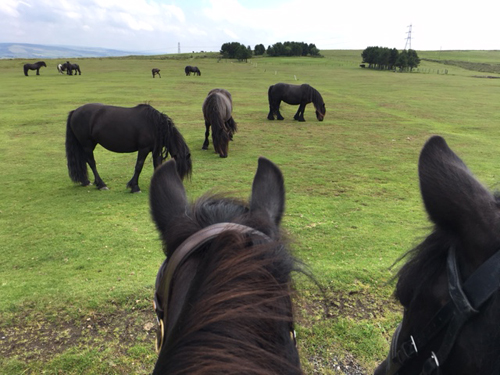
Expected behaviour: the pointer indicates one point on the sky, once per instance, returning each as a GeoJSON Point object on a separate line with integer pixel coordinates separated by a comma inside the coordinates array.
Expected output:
{"type": "Point", "coordinates": [162, 26]}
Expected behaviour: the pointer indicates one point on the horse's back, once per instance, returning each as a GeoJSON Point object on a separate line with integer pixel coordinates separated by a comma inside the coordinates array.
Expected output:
{"type": "Point", "coordinates": [118, 129]}
{"type": "Point", "coordinates": [218, 100]}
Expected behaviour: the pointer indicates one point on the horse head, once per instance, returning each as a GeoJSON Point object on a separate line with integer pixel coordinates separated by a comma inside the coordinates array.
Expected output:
{"type": "Point", "coordinates": [450, 286]}
{"type": "Point", "coordinates": [222, 294]}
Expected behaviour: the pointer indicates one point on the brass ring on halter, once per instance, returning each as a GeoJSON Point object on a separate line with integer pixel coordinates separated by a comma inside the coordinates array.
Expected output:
{"type": "Point", "coordinates": [160, 331]}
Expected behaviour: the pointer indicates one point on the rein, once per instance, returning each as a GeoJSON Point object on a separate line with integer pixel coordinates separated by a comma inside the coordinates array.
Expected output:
{"type": "Point", "coordinates": [465, 301]}
{"type": "Point", "coordinates": [167, 270]}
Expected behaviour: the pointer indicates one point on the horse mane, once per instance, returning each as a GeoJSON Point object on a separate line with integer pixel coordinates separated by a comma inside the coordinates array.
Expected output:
{"type": "Point", "coordinates": [425, 263]}
{"type": "Point", "coordinates": [239, 298]}
{"type": "Point", "coordinates": [316, 98]}
{"type": "Point", "coordinates": [168, 140]}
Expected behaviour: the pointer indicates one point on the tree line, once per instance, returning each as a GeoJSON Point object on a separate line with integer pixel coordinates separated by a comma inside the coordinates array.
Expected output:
{"type": "Point", "coordinates": [384, 58]}
{"type": "Point", "coordinates": [235, 50]}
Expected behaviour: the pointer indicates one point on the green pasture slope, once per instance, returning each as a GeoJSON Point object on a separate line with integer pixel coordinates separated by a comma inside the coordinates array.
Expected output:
{"type": "Point", "coordinates": [77, 265]}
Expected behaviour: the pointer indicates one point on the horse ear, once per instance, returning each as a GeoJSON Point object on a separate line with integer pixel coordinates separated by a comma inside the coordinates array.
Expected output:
{"type": "Point", "coordinates": [268, 191]}
{"type": "Point", "coordinates": [167, 198]}
{"type": "Point", "coordinates": [454, 199]}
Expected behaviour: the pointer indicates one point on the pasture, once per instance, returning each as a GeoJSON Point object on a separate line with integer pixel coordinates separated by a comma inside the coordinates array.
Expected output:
{"type": "Point", "coordinates": [78, 265]}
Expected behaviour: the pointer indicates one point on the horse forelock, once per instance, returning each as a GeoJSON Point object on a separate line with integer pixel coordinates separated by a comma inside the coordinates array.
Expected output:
{"type": "Point", "coordinates": [239, 304]}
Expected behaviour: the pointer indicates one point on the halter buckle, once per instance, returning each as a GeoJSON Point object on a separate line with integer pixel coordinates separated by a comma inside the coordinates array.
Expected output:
{"type": "Point", "coordinates": [431, 365]}
{"type": "Point", "coordinates": [407, 351]}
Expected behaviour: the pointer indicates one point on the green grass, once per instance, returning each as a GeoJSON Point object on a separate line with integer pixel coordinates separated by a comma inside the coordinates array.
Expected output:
{"type": "Point", "coordinates": [78, 265]}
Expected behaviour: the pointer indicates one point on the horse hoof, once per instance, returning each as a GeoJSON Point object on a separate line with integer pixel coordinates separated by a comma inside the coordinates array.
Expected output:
{"type": "Point", "coordinates": [137, 191]}
{"type": "Point", "coordinates": [104, 188]}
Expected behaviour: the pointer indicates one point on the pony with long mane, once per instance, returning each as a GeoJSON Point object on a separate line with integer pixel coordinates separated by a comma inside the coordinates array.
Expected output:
{"type": "Point", "coordinates": [300, 95]}
{"type": "Point", "coordinates": [156, 71]}
{"type": "Point", "coordinates": [36, 66]}
{"type": "Point", "coordinates": [192, 69]}
{"type": "Point", "coordinates": [450, 286]}
{"type": "Point", "coordinates": [223, 293]}
{"type": "Point", "coordinates": [217, 111]}
{"type": "Point", "coordinates": [69, 68]}
{"type": "Point", "coordinates": [124, 130]}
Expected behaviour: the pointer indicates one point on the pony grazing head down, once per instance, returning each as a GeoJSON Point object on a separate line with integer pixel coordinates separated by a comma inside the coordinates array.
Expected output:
{"type": "Point", "coordinates": [319, 104]}
{"type": "Point", "coordinates": [450, 286]}
{"type": "Point", "coordinates": [223, 294]}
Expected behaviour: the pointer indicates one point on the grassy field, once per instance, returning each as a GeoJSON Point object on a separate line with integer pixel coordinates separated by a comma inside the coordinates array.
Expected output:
{"type": "Point", "coordinates": [78, 265]}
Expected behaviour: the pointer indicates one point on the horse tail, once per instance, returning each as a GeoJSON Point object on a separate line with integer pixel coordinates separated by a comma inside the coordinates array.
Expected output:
{"type": "Point", "coordinates": [25, 69]}
{"type": "Point", "coordinates": [169, 140]}
{"type": "Point", "coordinates": [221, 134]}
{"type": "Point", "coordinates": [75, 154]}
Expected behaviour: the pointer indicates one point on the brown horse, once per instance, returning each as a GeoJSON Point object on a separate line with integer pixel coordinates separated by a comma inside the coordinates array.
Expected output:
{"type": "Point", "coordinates": [223, 294]}
{"type": "Point", "coordinates": [217, 111]}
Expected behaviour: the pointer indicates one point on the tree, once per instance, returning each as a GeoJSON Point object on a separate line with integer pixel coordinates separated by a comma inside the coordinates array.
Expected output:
{"type": "Point", "coordinates": [243, 53]}
{"type": "Point", "coordinates": [259, 49]}
{"type": "Point", "coordinates": [228, 50]}
{"type": "Point", "coordinates": [413, 59]}
{"type": "Point", "coordinates": [402, 62]}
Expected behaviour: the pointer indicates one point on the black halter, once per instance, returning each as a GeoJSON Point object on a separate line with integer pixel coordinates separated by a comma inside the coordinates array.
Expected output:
{"type": "Point", "coordinates": [465, 301]}
{"type": "Point", "coordinates": [187, 248]}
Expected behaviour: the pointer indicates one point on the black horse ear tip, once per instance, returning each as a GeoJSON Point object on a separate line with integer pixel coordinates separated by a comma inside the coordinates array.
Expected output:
{"type": "Point", "coordinates": [436, 140]}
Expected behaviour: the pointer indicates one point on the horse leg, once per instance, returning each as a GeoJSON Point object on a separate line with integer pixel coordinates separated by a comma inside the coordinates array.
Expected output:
{"type": "Point", "coordinates": [133, 184]}
{"type": "Point", "coordinates": [207, 134]}
{"type": "Point", "coordinates": [38, 72]}
{"type": "Point", "coordinates": [278, 114]}
{"type": "Point", "coordinates": [99, 183]}
{"type": "Point", "coordinates": [300, 113]}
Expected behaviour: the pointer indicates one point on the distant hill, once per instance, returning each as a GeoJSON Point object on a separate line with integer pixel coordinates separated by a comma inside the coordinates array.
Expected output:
{"type": "Point", "coordinates": [39, 51]}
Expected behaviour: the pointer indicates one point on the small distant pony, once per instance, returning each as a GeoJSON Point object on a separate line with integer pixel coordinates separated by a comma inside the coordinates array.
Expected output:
{"type": "Point", "coordinates": [294, 94]}
{"type": "Point", "coordinates": [36, 66]}
{"type": "Point", "coordinates": [61, 68]}
{"type": "Point", "coordinates": [156, 71]}
{"type": "Point", "coordinates": [192, 69]}
{"type": "Point", "coordinates": [217, 111]}
{"type": "Point", "coordinates": [70, 67]}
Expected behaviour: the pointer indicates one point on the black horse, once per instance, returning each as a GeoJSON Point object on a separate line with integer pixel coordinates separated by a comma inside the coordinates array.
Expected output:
{"type": "Point", "coordinates": [36, 66]}
{"type": "Point", "coordinates": [192, 69]}
{"type": "Point", "coordinates": [217, 111]}
{"type": "Point", "coordinates": [223, 294]}
{"type": "Point", "coordinates": [450, 285]}
{"type": "Point", "coordinates": [70, 68]}
{"type": "Point", "coordinates": [155, 71]}
{"type": "Point", "coordinates": [295, 95]}
{"type": "Point", "coordinates": [141, 128]}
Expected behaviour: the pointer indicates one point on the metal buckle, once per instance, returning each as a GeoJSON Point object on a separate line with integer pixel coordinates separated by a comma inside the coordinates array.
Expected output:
{"type": "Point", "coordinates": [160, 331]}
{"type": "Point", "coordinates": [435, 358]}
{"type": "Point", "coordinates": [431, 365]}
{"type": "Point", "coordinates": [407, 351]}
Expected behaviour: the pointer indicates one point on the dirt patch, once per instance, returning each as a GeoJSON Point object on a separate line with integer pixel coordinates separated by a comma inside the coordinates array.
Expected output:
{"type": "Point", "coordinates": [36, 338]}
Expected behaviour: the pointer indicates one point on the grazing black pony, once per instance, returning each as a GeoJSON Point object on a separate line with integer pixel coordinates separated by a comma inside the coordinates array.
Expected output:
{"type": "Point", "coordinates": [192, 69]}
{"type": "Point", "coordinates": [294, 94]}
{"type": "Point", "coordinates": [217, 111]}
{"type": "Point", "coordinates": [156, 71]}
{"type": "Point", "coordinates": [450, 285]}
{"type": "Point", "coordinates": [141, 128]}
{"type": "Point", "coordinates": [36, 66]}
{"type": "Point", "coordinates": [223, 294]}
